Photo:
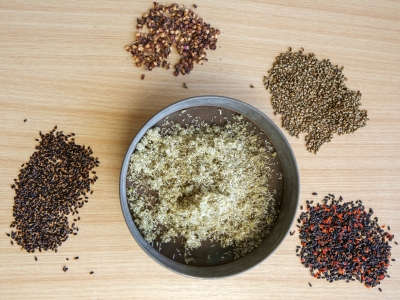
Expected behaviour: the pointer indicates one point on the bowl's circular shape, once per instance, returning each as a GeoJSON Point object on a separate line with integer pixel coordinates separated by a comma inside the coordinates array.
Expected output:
{"type": "Point", "coordinates": [290, 190]}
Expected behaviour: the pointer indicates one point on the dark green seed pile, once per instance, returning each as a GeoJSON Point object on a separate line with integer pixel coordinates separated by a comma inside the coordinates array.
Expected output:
{"type": "Point", "coordinates": [341, 241]}
{"type": "Point", "coordinates": [52, 185]}
{"type": "Point", "coordinates": [312, 97]}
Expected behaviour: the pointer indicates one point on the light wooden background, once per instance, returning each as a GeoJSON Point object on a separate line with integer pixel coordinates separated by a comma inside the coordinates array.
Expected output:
{"type": "Point", "coordinates": [63, 62]}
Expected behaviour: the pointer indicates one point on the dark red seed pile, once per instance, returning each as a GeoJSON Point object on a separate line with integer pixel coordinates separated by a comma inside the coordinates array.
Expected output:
{"type": "Point", "coordinates": [172, 26]}
{"type": "Point", "coordinates": [341, 241]}
{"type": "Point", "coordinates": [52, 185]}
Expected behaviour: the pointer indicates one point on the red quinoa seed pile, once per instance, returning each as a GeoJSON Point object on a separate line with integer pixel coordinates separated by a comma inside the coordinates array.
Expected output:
{"type": "Point", "coordinates": [341, 241]}
{"type": "Point", "coordinates": [167, 26]}
{"type": "Point", "coordinates": [51, 185]}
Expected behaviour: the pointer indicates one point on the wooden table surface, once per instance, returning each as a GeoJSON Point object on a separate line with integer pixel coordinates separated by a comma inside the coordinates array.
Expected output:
{"type": "Point", "coordinates": [63, 62]}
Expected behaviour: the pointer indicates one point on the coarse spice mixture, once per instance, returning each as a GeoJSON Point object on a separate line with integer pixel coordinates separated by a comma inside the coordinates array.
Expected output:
{"type": "Point", "coordinates": [312, 97]}
{"type": "Point", "coordinates": [341, 241]}
{"type": "Point", "coordinates": [210, 184]}
{"type": "Point", "coordinates": [172, 26]}
{"type": "Point", "coordinates": [50, 186]}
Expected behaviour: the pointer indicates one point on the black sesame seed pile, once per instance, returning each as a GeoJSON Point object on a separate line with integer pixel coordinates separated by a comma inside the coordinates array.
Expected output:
{"type": "Point", "coordinates": [341, 241]}
{"type": "Point", "coordinates": [53, 184]}
{"type": "Point", "coordinates": [312, 97]}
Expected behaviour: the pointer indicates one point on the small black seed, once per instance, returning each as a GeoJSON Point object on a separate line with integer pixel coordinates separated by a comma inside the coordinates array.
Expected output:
{"type": "Point", "coordinates": [36, 258]}
{"type": "Point", "coordinates": [393, 259]}
{"type": "Point", "coordinates": [67, 258]}
{"type": "Point", "coordinates": [388, 227]}
{"type": "Point", "coordinates": [12, 243]}
{"type": "Point", "coordinates": [310, 284]}
{"type": "Point", "coordinates": [314, 194]}
{"type": "Point", "coordinates": [76, 257]}
{"type": "Point", "coordinates": [380, 289]}
{"type": "Point", "coordinates": [396, 243]}
{"type": "Point", "coordinates": [91, 272]}
{"type": "Point", "coordinates": [25, 120]}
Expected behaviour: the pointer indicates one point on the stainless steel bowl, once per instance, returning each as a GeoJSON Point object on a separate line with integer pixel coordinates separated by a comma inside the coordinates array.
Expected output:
{"type": "Point", "coordinates": [289, 196]}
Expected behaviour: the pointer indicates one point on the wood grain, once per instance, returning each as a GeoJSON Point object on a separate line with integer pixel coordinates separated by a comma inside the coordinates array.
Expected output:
{"type": "Point", "coordinates": [63, 62]}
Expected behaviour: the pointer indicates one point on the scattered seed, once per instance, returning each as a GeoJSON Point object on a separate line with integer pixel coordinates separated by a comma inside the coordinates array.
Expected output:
{"type": "Point", "coordinates": [185, 86]}
{"type": "Point", "coordinates": [388, 227]}
{"type": "Point", "coordinates": [8, 234]}
{"type": "Point", "coordinates": [65, 269]}
{"type": "Point", "coordinates": [25, 120]}
{"type": "Point", "coordinates": [314, 194]}
{"type": "Point", "coordinates": [380, 289]}
{"type": "Point", "coordinates": [396, 243]}
{"type": "Point", "coordinates": [291, 233]}
{"type": "Point", "coordinates": [172, 26]}
{"type": "Point", "coordinates": [67, 258]}
{"type": "Point", "coordinates": [36, 258]}
{"type": "Point", "coordinates": [194, 5]}
{"type": "Point", "coordinates": [312, 97]}
{"type": "Point", "coordinates": [58, 171]}
{"type": "Point", "coordinates": [12, 243]}
{"type": "Point", "coordinates": [393, 259]}
{"type": "Point", "coordinates": [142, 76]}
{"type": "Point", "coordinates": [252, 86]}
{"type": "Point", "coordinates": [341, 241]}
{"type": "Point", "coordinates": [91, 272]}
{"type": "Point", "coordinates": [310, 284]}
{"type": "Point", "coordinates": [76, 257]}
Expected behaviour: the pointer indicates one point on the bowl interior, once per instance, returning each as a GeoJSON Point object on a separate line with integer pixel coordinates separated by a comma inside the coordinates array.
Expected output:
{"type": "Point", "coordinates": [214, 262]}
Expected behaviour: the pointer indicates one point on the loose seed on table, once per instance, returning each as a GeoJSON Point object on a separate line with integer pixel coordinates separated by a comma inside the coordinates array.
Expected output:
{"type": "Point", "coordinates": [172, 26]}
{"type": "Point", "coordinates": [342, 242]}
{"type": "Point", "coordinates": [312, 97]}
{"type": "Point", "coordinates": [142, 76]}
{"type": "Point", "coordinates": [36, 258]}
{"type": "Point", "coordinates": [91, 272]}
{"type": "Point", "coordinates": [49, 189]}
{"type": "Point", "coordinates": [185, 86]}
{"type": "Point", "coordinates": [25, 120]}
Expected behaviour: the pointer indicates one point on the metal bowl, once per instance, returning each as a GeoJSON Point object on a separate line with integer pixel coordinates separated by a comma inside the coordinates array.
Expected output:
{"type": "Point", "coordinates": [206, 107]}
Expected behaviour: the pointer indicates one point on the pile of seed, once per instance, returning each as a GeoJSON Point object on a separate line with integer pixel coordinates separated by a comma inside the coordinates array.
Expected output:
{"type": "Point", "coordinates": [341, 241]}
{"type": "Point", "coordinates": [210, 183]}
{"type": "Point", "coordinates": [312, 97]}
{"type": "Point", "coordinates": [172, 25]}
{"type": "Point", "coordinates": [54, 183]}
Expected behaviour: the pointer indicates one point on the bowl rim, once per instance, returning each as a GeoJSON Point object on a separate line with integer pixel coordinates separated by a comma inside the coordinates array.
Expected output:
{"type": "Point", "coordinates": [291, 181]}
